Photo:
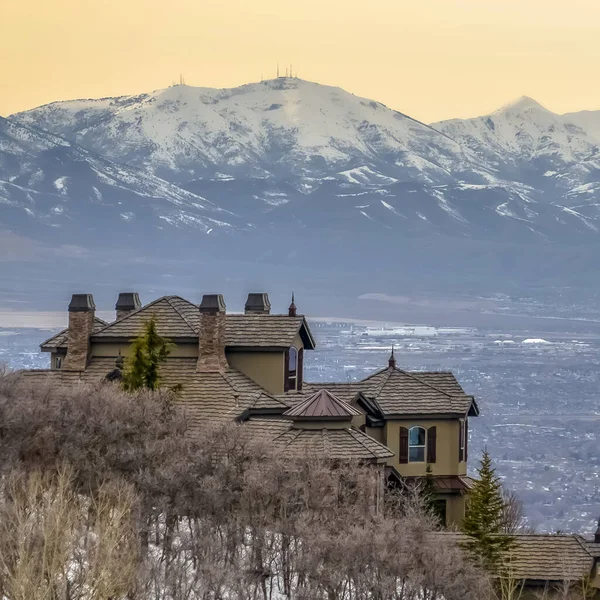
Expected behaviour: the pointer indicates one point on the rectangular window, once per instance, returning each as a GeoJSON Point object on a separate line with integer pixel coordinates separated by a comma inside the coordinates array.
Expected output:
{"type": "Point", "coordinates": [57, 362]}
{"type": "Point", "coordinates": [461, 440]}
{"type": "Point", "coordinates": [416, 454]}
{"type": "Point", "coordinates": [292, 369]}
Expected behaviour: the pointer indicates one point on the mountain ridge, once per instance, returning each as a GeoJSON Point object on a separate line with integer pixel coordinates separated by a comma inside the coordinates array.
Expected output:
{"type": "Point", "coordinates": [288, 162]}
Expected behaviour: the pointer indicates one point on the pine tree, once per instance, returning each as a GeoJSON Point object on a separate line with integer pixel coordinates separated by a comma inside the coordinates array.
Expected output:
{"type": "Point", "coordinates": [484, 519]}
{"type": "Point", "coordinates": [148, 351]}
{"type": "Point", "coordinates": [428, 494]}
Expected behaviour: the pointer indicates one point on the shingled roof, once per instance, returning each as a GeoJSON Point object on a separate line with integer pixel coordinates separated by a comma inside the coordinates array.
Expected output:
{"type": "Point", "coordinates": [347, 443]}
{"type": "Point", "coordinates": [202, 396]}
{"type": "Point", "coordinates": [395, 392]}
{"type": "Point", "coordinates": [61, 339]}
{"type": "Point", "coordinates": [178, 319]}
{"type": "Point", "coordinates": [543, 557]}
{"type": "Point", "coordinates": [322, 405]}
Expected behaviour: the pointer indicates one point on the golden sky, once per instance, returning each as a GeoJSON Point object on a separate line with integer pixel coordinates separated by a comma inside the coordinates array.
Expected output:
{"type": "Point", "coordinates": [431, 59]}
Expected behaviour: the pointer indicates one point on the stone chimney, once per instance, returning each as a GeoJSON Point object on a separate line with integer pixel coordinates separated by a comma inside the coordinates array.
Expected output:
{"type": "Point", "coordinates": [211, 335]}
{"type": "Point", "coordinates": [127, 303]}
{"type": "Point", "coordinates": [82, 311]}
{"type": "Point", "coordinates": [257, 304]}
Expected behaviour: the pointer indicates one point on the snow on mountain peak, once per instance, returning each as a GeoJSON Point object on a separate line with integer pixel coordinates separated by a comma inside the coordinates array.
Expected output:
{"type": "Point", "coordinates": [520, 105]}
{"type": "Point", "coordinates": [279, 127]}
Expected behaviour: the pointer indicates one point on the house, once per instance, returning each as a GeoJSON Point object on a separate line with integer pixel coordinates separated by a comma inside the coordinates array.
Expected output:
{"type": "Point", "coordinates": [547, 565]}
{"type": "Point", "coordinates": [250, 367]}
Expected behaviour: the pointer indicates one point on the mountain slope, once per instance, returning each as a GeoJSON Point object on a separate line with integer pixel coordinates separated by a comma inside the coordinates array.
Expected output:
{"type": "Point", "coordinates": [48, 184]}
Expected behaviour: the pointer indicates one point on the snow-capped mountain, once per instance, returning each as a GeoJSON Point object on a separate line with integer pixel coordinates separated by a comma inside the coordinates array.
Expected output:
{"type": "Point", "coordinates": [291, 166]}
{"type": "Point", "coordinates": [283, 127]}
{"type": "Point", "coordinates": [49, 182]}
{"type": "Point", "coordinates": [521, 132]}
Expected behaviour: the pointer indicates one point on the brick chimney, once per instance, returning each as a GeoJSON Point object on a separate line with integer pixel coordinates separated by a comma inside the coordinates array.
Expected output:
{"type": "Point", "coordinates": [211, 335]}
{"type": "Point", "coordinates": [82, 311]}
{"type": "Point", "coordinates": [257, 304]}
{"type": "Point", "coordinates": [127, 303]}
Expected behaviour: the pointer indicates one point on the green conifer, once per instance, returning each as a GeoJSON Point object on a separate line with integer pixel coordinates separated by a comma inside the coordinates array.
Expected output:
{"type": "Point", "coordinates": [148, 351]}
{"type": "Point", "coordinates": [484, 518]}
{"type": "Point", "coordinates": [428, 494]}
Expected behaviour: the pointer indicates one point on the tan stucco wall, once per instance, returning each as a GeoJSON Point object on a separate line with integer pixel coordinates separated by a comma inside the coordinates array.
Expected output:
{"type": "Point", "coordinates": [377, 433]}
{"type": "Point", "coordinates": [447, 447]}
{"type": "Point", "coordinates": [112, 350]}
{"type": "Point", "coordinates": [455, 508]}
{"type": "Point", "coordinates": [265, 368]}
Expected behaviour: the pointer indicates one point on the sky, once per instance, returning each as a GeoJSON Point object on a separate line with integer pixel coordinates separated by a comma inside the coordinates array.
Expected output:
{"type": "Point", "coordinates": [431, 59]}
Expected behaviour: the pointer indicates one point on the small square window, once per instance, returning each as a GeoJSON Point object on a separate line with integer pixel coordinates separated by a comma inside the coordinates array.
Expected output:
{"type": "Point", "coordinates": [417, 454]}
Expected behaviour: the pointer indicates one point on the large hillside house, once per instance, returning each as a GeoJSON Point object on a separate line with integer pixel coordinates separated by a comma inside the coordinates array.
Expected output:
{"type": "Point", "coordinates": [250, 368]}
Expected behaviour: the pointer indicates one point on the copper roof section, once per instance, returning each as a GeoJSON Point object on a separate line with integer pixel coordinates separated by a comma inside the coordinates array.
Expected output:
{"type": "Point", "coordinates": [323, 405]}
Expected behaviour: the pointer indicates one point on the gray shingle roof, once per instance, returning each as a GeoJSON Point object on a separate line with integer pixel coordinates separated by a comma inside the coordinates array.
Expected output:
{"type": "Point", "coordinates": [591, 546]}
{"type": "Point", "coordinates": [543, 557]}
{"type": "Point", "coordinates": [347, 443]}
{"type": "Point", "coordinates": [61, 338]}
{"type": "Point", "coordinates": [203, 396]}
{"type": "Point", "coordinates": [397, 392]}
{"type": "Point", "coordinates": [178, 318]}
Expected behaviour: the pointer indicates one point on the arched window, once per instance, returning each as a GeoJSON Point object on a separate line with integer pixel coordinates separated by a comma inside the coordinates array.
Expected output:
{"type": "Point", "coordinates": [292, 370]}
{"type": "Point", "coordinates": [416, 444]}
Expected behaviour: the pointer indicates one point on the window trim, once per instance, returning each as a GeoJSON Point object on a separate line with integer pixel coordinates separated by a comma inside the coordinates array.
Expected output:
{"type": "Point", "coordinates": [423, 446]}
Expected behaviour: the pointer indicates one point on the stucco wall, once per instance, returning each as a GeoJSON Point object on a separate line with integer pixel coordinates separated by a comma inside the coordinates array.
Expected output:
{"type": "Point", "coordinates": [112, 350]}
{"type": "Point", "coordinates": [447, 447]}
{"type": "Point", "coordinates": [455, 508]}
{"type": "Point", "coordinates": [265, 368]}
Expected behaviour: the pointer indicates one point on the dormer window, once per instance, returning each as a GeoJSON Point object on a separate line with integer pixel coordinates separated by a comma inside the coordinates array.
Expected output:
{"type": "Point", "coordinates": [293, 369]}
{"type": "Point", "coordinates": [416, 444]}
{"type": "Point", "coordinates": [57, 362]}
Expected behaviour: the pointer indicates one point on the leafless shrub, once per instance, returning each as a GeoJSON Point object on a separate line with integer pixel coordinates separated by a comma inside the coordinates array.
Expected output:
{"type": "Point", "coordinates": [55, 543]}
{"type": "Point", "coordinates": [513, 514]}
{"type": "Point", "coordinates": [145, 511]}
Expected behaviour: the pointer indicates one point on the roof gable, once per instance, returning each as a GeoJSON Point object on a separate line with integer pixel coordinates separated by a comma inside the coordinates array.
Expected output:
{"type": "Point", "coordinates": [173, 320]}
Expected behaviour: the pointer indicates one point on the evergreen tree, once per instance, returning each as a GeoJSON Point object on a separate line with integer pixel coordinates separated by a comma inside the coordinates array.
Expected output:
{"type": "Point", "coordinates": [148, 351]}
{"type": "Point", "coordinates": [484, 519]}
{"type": "Point", "coordinates": [428, 494]}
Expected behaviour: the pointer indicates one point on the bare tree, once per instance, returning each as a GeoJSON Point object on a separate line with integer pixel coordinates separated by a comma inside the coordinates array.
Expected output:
{"type": "Point", "coordinates": [513, 514]}
{"type": "Point", "coordinates": [113, 498]}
